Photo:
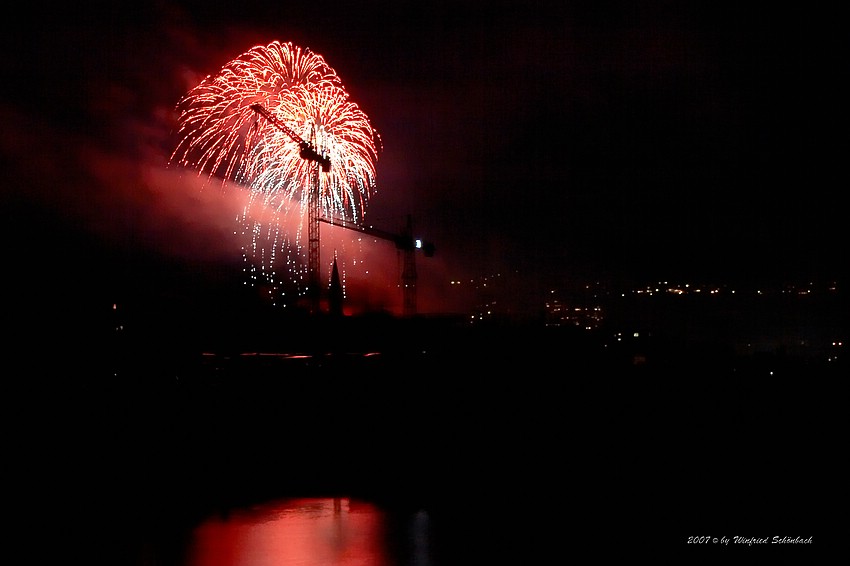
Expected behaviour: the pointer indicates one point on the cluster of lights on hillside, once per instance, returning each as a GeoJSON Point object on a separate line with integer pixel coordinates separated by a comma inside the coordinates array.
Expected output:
{"type": "Point", "coordinates": [583, 307]}
{"type": "Point", "coordinates": [668, 288]}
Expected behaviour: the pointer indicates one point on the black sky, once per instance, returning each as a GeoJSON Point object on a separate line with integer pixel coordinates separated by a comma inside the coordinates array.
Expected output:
{"type": "Point", "coordinates": [563, 140]}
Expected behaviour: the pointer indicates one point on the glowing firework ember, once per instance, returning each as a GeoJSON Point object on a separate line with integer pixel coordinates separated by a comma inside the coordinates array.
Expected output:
{"type": "Point", "coordinates": [250, 123]}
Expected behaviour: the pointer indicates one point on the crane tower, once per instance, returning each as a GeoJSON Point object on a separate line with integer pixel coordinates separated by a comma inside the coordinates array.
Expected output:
{"type": "Point", "coordinates": [308, 152]}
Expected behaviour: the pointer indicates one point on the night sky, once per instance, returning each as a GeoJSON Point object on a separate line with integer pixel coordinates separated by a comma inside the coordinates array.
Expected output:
{"type": "Point", "coordinates": [555, 141]}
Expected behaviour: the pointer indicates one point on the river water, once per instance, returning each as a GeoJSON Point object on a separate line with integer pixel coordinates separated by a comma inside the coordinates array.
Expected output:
{"type": "Point", "coordinates": [510, 454]}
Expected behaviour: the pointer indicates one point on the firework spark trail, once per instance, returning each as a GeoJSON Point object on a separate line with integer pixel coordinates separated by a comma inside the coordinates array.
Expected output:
{"type": "Point", "coordinates": [221, 136]}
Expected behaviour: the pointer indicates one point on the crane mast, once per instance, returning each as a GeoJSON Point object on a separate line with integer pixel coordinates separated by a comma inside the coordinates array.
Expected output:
{"type": "Point", "coordinates": [308, 152]}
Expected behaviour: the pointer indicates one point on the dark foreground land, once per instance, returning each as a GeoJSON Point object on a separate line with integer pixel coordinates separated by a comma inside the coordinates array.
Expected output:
{"type": "Point", "coordinates": [556, 436]}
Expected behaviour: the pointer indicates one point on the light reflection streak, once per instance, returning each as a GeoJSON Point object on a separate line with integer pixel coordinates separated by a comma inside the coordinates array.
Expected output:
{"type": "Point", "coordinates": [303, 532]}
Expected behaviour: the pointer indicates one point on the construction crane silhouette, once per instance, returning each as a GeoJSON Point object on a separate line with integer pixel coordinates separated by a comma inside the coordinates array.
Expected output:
{"type": "Point", "coordinates": [404, 241]}
{"type": "Point", "coordinates": [407, 244]}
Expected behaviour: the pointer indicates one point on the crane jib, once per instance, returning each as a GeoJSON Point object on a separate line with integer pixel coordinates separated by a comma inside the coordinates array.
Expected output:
{"type": "Point", "coordinates": [306, 150]}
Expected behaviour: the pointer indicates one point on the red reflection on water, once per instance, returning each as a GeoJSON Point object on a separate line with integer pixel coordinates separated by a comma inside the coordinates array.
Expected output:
{"type": "Point", "coordinates": [306, 532]}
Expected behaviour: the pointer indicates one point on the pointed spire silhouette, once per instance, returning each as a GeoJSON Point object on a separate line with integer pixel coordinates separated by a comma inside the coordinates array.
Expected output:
{"type": "Point", "coordinates": [335, 295]}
